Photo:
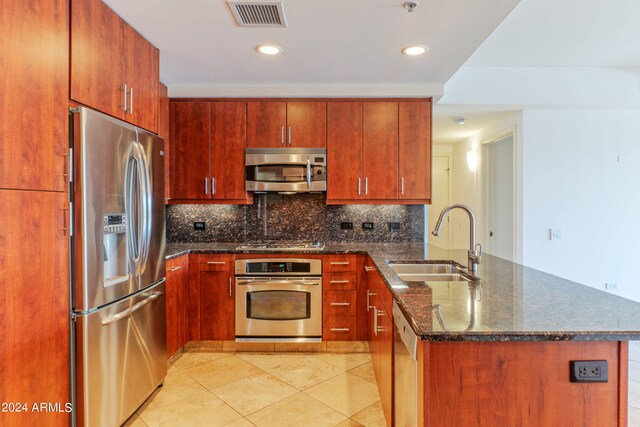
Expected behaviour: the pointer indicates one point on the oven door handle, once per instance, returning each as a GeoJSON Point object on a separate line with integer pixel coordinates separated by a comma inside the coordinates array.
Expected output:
{"type": "Point", "coordinates": [271, 282]}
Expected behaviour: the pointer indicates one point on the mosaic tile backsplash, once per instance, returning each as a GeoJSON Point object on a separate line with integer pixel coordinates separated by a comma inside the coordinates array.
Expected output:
{"type": "Point", "coordinates": [290, 217]}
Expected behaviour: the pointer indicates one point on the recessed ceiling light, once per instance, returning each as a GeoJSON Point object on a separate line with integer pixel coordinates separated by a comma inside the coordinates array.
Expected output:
{"type": "Point", "coordinates": [459, 120]}
{"type": "Point", "coordinates": [415, 50]}
{"type": "Point", "coordinates": [269, 49]}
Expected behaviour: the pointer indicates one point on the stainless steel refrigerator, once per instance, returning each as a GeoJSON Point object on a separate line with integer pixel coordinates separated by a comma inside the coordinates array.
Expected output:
{"type": "Point", "coordinates": [118, 268]}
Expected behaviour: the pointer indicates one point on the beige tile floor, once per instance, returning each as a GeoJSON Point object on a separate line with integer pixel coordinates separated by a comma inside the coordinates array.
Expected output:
{"type": "Point", "coordinates": [284, 389]}
{"type": "Point", "coordinates": [265, 390]}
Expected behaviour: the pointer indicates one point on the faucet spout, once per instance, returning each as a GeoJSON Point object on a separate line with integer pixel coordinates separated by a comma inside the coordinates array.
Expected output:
{"type": "Point", "coordinates": [475, 250]}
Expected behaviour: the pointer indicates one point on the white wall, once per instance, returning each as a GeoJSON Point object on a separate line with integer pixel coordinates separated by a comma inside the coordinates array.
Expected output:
{"type": "Point", "coordinates": [581, 174]}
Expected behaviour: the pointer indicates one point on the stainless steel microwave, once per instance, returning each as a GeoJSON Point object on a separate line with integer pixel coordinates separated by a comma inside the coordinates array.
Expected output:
{"type": "Point", "coordinates": [286, 170]}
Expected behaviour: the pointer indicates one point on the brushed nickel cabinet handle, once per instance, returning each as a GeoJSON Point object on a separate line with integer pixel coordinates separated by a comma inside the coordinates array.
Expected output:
{"type": "Point", "coordinates": [340, 304]}
{"type": "Point", "coordinates": [206, 186]}
{"type": "Point", "coordinates": [368, 295]}
{"type": "Point", "coordinates": [338, 281]}
{"type": "Point", "coordinates": [124, 92]}
{"type": "Point", "coordinates": [402, 185]}
{"type": "Point", "coordinates": [366, 185]}
{"type": "Point", "coordinates": [289, 136]}
{"type": "Point", "coordinates": [359, 180]}
{"type": "Point", "coordinates": [367, 268]}
{"type": "Point", "coordinates": [131, 100]}
{"type": "Point", "coordinates": [216, 262]}
{"type": "Point", "coordinates": [282, 136]}
{"type": "Point", "coordinates": [339, 263]}
{"type": "Point", "coordinates": [339, 329]}
{"type": "Point", "coordinates": [213, 185]}
{"type": "Point", "coordinates": [230, 289]}
{"type": "Point", "coordinates": [375, 320]}
{"type": "Point", "coordinates": [175, 268]}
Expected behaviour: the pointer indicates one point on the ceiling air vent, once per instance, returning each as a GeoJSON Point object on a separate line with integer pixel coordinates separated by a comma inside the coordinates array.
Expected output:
{"type": "Point", "coordinates": [253, 14]}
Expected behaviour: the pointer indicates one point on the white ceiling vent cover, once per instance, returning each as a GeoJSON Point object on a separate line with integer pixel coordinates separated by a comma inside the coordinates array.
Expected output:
{"type": "Point", "coordinates": [258, 14]}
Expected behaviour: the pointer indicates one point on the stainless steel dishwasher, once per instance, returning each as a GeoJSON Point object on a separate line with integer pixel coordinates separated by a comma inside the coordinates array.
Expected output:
{"type": "Point", "coordinates": [405, 364]}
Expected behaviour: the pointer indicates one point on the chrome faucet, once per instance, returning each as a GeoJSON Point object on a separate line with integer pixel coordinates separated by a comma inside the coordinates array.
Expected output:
{"type": "Point", "coordinates": [475, 250]}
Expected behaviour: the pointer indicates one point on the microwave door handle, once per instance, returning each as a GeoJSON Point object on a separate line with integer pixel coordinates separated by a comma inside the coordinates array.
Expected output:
{"type": "Point", "coordinates": [308, 173]}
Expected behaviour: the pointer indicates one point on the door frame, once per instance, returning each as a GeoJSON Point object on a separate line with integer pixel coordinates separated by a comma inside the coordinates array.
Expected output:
{"type": "Point", "coordinates": [516, 253]}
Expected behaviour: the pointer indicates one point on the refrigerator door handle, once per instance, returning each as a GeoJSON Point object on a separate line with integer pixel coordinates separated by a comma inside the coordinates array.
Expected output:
{"type": "Point", "coordinates": [127, 312]}
{"type": "Point", "coordinates": [145, 208]}
{"type": "Point", "coordinates": [129, 199]}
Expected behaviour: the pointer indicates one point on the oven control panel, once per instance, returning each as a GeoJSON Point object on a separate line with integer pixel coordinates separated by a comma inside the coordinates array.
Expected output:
{"type": "Point", "coordinates": [279, 267]}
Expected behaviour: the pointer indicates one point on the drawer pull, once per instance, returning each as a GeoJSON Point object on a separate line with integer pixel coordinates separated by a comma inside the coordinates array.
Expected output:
{"type": "Point", "coordinates": [339, 329]}
{"type": "Point", "coordinates": [338, 281]}
{"type": "Point", "coordinates": [175, 268]}
{"type": "Point", "coordinates": [217, 262]}
{"type": "Point", "coordinates": [339, 263]}
{"type": "Point", "coordinates": [367, 268]}
{"type": "Point", "coordinates": [339, 303]}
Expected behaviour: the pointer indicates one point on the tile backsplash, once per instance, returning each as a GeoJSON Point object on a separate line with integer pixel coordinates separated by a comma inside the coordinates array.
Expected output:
{"type": "Point", "coordinates": [290, 217]}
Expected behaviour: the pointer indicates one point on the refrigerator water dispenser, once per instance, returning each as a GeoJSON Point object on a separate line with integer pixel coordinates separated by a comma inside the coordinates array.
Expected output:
{"type": "Point", "coordinates": [114, 249]}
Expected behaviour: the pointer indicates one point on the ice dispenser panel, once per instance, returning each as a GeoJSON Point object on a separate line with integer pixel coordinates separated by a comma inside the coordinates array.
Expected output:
{"type": "Point", "coordinates": [115, 249]}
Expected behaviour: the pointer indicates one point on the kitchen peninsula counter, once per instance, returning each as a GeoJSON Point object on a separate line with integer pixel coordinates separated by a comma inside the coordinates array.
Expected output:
{"type": "Point", "coordinates": [510, 302]}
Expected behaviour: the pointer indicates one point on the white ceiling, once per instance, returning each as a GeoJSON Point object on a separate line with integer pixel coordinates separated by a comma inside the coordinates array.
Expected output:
{"type": "Point", "coordinates": [331, 47]}
{"type": "Point", "coordinates": [477, 117]}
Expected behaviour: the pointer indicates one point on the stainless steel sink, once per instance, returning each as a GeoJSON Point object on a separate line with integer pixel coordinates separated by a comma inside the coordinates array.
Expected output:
{"type": "Point", "coordinates": [441, 272]}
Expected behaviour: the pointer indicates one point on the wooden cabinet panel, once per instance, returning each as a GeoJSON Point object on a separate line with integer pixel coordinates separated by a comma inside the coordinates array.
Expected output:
{"type": "Point", "coordinates": [191, 144]}
{"type": "Point", "coordinates": [266, 123]}
{"type": "Point", "coordinates": [97, 50]}
{"type": "Point", "coordinates": [217, 304]}
{"type": "Point", "coordinates": [34, 304]}
{"type": "Point", "coordinates": [34, 41]}
{"type": "Point", "coordinates": [339, 328]}
{"type": "Point", "coordinates": [380, 150]}
{"type": "Point", "coordinates": [229, 128]}
{"type": "Point", "coordinates": [344, 150]}
{"type": "Point", "coordinates": [141, 74]}
{"type": "Point", "coordinates": [339, 263]}
{"type": "Point", "coordinates": [163, 131]}
{"type": "Point", "coordinates": [339, 303]}
{"type": "Point", "coordinates": [339, 281]}
{"type": "Point", "coordinates": [177, 289]}
{"type": "Point", "coordinates": [414, 150]}
{"type": "Point", "coordinates": [522, 383]}
{"type": "Point", "coordinates": [306, 124]}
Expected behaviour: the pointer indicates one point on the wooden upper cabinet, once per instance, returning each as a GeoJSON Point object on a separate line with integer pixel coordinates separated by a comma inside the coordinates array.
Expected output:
{"type": "Point", "coordinates": [191, 150]}
{"type": "Point", "coordinates": [414, 150]}
{"type": "Point", "coordinates": [266, 123]}
{"type": "Point", "coordinates": [106, 55]}
{"type": "Point", "coordinates": [229, 128]}
{"type": "Point", "coordinates": [281, 124]}
{"type": "Point", "coordinates": [344, 150]}
{"type": "Point", "coordinates": [380, 150]}
{"type": "Point", "coordinates": [34, 41]}
{"type": "Point", "coordinates": [97, 50]}
{"type": "Point", "coordinates": [141, 74]}
{"type": "Point", "coordinates": [306, 124]}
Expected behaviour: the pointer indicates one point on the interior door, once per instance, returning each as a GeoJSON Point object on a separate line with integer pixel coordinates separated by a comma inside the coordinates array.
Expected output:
{"type": "Point", "coordinates": [380, 150]}
{"type": "Point", "coordinates": [344, 150]}
{"type": "Point", "coordinates": [500, 191]}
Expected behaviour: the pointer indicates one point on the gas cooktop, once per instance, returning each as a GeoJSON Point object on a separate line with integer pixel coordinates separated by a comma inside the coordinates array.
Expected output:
{"type": "Point", "coordinates": [281, 246]}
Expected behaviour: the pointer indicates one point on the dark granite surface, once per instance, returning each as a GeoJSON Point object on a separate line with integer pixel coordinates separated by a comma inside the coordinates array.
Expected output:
{"type": "Point", "coordinates": [510, 302]}
{"type": "Point", "coordinates": [293, 217]}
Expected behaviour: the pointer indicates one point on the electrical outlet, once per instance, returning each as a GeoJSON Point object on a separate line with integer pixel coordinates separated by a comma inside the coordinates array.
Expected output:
{"type": "Point", "coordinates": [346, 225]}
{"type": "Point", "coordinates": [199, 225]}
{"type": "Point", "coordinates": [394, 226]}
{"type": "Point", "coordinates": [555, 234]}
{"type": "Point", "coordinates": [589, 371]}
{"type": "Point", "coordinates": [367, 226]}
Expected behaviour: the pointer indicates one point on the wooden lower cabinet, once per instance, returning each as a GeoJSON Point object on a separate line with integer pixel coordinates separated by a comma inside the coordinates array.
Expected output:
{"type": "Point", "coordinates": [217, 297]}
{"type": "Point", "coordinates": [177, 292]}
{"type": "Point", "coordinates": [521, 384]}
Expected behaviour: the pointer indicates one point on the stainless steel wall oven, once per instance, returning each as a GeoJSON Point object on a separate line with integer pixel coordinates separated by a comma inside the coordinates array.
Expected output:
{"type": "Point", "coordinates": [279, 300]}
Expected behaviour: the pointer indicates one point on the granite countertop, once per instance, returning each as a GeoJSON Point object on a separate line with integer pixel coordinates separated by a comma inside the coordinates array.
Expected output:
{"type": "Point", "coordinates": [510, 302]}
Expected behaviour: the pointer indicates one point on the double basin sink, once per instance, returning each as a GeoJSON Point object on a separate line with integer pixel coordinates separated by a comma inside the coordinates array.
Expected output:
{"type": "Point", "coordinates": [445, 271]}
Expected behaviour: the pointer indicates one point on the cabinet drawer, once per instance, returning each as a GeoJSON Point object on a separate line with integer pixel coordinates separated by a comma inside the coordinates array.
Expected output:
{"type": "Point", "coordinates": [339, 328]}
{"type": "Point", "coordinates": [339, 263]}
{"type": "Point", "coordinates": [339, 281]}
{"type": "Point", "coordinates": [215, 263]}
{"type": "Point", "coordinates": [339, 303]}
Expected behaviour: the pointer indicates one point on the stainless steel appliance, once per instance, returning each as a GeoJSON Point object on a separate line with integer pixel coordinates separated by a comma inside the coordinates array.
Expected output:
{"type": "Point", "coordinates": [118, 271]}
{"type": "Point", "coordinates": [279, 300]}
{"type": "Point", "coordinates": [286, 170]}
{"type": "Point", "coordinates": [405, 365]}
{"type": "Point", "coordinates": [281, 246]}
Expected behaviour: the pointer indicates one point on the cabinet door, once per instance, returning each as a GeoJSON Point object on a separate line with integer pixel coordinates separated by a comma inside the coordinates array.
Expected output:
{"type": "Point", "coordinates": [380, 150]}
{"type": "Point", "coordinates": [34, 304]}
{"type": "Point", "coordinates": [266, 123]}
{"type": "Point", "coordinates": [191, 154]}
{"type": "Point", "coordinates": [97, 50]}
{"type": "Point", "coordinates": [163, 131]}
{"type": "Point", "coordinates": [217, 307]}
{"type": "Point", "coordinates": [414, 150]}
{"type": "Point", "coordinates": [229, 128]}
{"type": "Point", "coordinates": [141, 74]}
{"type": "Point", "coordinates": [344, 150]}
{"type": "Point", "coordinates": [177, 276]}
{"type": "Point", "coordinates": [34, 41]}
{"type": "Point", "coordinates": [307, 124]}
